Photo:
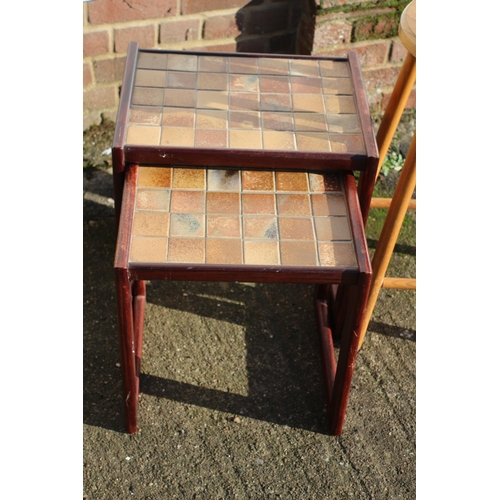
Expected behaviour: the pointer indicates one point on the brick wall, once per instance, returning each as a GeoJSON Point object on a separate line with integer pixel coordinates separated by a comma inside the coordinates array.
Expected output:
{"type": "Point", "coordinates": [272, 26]}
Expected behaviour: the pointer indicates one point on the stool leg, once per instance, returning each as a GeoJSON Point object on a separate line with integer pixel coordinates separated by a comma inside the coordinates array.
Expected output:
{"type": "Point", "coordinates": [139, 294]}
{"type": "Point", "coordinates": [130, 379]}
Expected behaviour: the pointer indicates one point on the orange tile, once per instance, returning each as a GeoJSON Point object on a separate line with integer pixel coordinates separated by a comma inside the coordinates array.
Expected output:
{"type": "Point", "coordinates": [145, 115]}
{"type": "Point", "coordinates": [277, 121]}
{"type": "Point", "coordinates": [260, 228]}
{"type": "Point", "coordinates": [294, 228]}
{"type": "Point", "coordinates": [148, 250]}
{"type": "Point", "coordinates": [152, 199]}
{"type": "Point", "coordinates": [223, 203]}
{"type": "Point", "coordinates": [263, 204]}
{"type": "Point", "coordinates": [181, 80]}
{"type": "Point", "coordinates": [143, 135]}
{"type": "Point", "coordinates": [223, 180]}
{"type": "Point", "coordinates": [304, 68]}
{"type": "Point", "coordinates": [224, 251]}
{"type": "Point", "coordinates": [187, 224]}
{"type": "Point", "coordinates": [347, 143]}
{"type": "Point", "coordinates": [244, 83]}
{"type": "Point", "coordinates": [275, 102]}
{"type": "Point", "coordinates": [186, 250]}
{"type": "Point", "coordinates": [181, 98]}
{"type": "Point", "coordinates": [151, 224]}
{"type": "Point", "coordinates": [189, 178]}
{"type": "Point", "coordinates": [334, 68]}
{"type": "Point", "coordinates": [312, 141]}
{"type": "Point", "coordinates": [178, 117]}
{"type": "Point", "coordinates": [325, 182]}
{"type": "Point", "coordinates": [343, 124]}
{"type": "Point", "coordinates": [247, 65]}
{"type": "Point", "coordinates": [245, 139]}
{"type": "Point", "coordinates": [312, 103]}
{"type": "Point", "coordinates": [244, 119]}
{"type": "Point", "coordinates": [298, 253]}
{"type": "Point", "coordinates": [294, 204]}
{"type": "Point", "coordinates": [147, 96]}
{"type": "Point", "coordinates": [261, 252]}
{"type": "Point", "coordinates": [279, 141]}
{"type": "Point", "coordinates": [273, 66]}
{"type": "Point", "coordinates": [332, 228]}
{"type": "Point", "coordinates": [303, 85]}
{"type": "Point", "coordinates": [211, 118]}
{"type": "Point", "coordinates": [275, 84]}
{"type": "Point", "coordinates": [211, 99]}
{"type": "Point", "coordinates": [212, 81]}
{"type": "Point", "coordinates": [328, 204]}
{"type": "Point", "coordinates": [244, 101]}
{"type": "Point", "coordinates": [337, 86]}
{"type": "Point", "coordinates": [210, 138]}
{"type": "Point", "coordinates": [224, 226]}
{"type": "Point", "coordinates": [151, 60]}
{"type": "Point", "coordinates": [150, 78]}
{"type": "Point", "coordinates": [158, 177]}
{"type": "Point", "coordinates": [177, 137]}
{"type": "Point", "coordinates": [337, 254]}
{"type": "Point", "coordinates": [340, 104]}
{"type": "Point", "coordinates": [212, 64]}
{"type": "Point", "coordinates": [310, 122]}
{"type": "Point", "coordinates": [291, 181]}
{"type": "Point", "coordinates": [188, 201]}
{"type": "Point", "coordinates": [182, 62]}
{"type": "Point", "coordinates": [255, 180]}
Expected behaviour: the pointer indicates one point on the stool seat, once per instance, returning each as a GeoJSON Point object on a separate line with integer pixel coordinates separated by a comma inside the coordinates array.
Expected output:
{"type": "Point", "coordinates": [408, 28]}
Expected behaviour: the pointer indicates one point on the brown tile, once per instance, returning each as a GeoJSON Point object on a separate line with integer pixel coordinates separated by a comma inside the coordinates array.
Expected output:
{"type": "Point", "coordinates": [186, 250]}
{"type": "Point", "coordinates": [309, 122]}
{"type": "Point", "coordinates": [304, 85]}
{"type": "Point", "coordinates": [325, 182]}
{"type": "Point", "coordinates": [223, 180]}
{"type": "Point", "coordinates": [178, 117]}
{"type": "Point", "coordinates": [334, 68]}
{"type": "Point", "coordinates": [298, 253]}
{"type": "Point", "coordinates": [271, 66]}
{"type": "Point", "coordinates": [245, 139]}
{"type": "Point", "coordinates": [147, 96]}
{"type": "Point", "coordinates": [177, 137]}
{"type": "Point", "coordinates": [255, 180]}
{"type": "Point", "coordinates": [181, 62]}
{"type": "Point", "coordinates": [187, 224]}
{"type": "Point", "coordinates": [181, 98]}
{"type": "Point", "coordinates": [145, 115]}
{"type": "Point", "coordinates": [211, 118]}
{"type": "Point", "coordinates": [224, 226]}
{"type": "Point", "coordinates": [152, 199]}
{"type": "Point", "coordinates": [158, 177]}
{"type": "Point", "coordinates": [211, 99]}
{"type": "Point", "coordinates": [263, 204]}
{"type": "Point", "coordinates": [223, 203]}
{"type": "Point", "coordinates": [292, 228]}
{"type": "Point", "coordinates": [279, 141]}
{"type": "Point", "coordinates": [342, 143]}
{"type": "Point", "coordinates": [210, 138]}
{"type": "Point", "coordinates": [188, 201]}
{"type": "Point", "coordinates": [340, 104]}
{"type": "Point", "coordinates": [312, 141]}
{"type": "Point", "coordinates": [150, 224]}
{"type": "Point", "coordinates": [261, 253]}
{"type": "Point", "coordinates": [332, 228]}
{"type": "Point", "coordinates": [294, 204]}
{"type": "Point", "coordinates": [224, 251]}
{"type": "Point", "coordinates": [143, 135]}
{"type": "Point", "coordinates": [212, 64]}
{"type": "Point", "coordinates": [189, 178]}
{"type": "Point", "coordinates": [181, 80]}
{"type": "Point", "coordinates": [244, 83]}
{"type": "Point", "coordinates": [148, 250]}
{"type": "Point", "coordinates": [337, 86]}
{"type": "Point", "coordinates": [337, 254]}
{"type": "Point", "coordinates": [343, 124]}
{"type": "Point", "coordinates": [275, 84]}
{"type": "Point", "coordinates": [291, 181]}
{"type": "Point", "coordinates": [245, 65]}
{"type": "Point", "coordinates": [261, 228]}
{"type": "Point", "coordinates": [244, 119]}
{"type": "Point", "coordinates": [244, 101]}
{"type": "Point", "coordinates": [152, 60]}
{"type": "Point", "coordinates": [328, 204]}
{"type": "Point", "coordinates": [308, 103]}
{"type": "Point", "coordinates": [275, 102]}
{"type": "Point", "coordinates": [150, 78]}
{"type": "Point", "coordinates": [212, 81]}
{"type": "Point", "coordinates": [304, 68]}
{"type": "Point", "coordinates": [277, 121]}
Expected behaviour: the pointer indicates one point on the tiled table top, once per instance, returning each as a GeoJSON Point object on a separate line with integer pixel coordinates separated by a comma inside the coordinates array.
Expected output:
{"type": "Point", "coordinates": [243, 103]}
{"type": "Point", "coordinates": [241, 217]}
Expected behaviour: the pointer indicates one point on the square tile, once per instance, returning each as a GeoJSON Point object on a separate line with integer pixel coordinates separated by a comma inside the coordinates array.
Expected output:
{"type": "Point", "coordinates": [213, 81]}
{"type": "Point", "coordinates": [334, 68]}
{"type": "Point", "coordinates": [337, 86]}
{"type": "Point", "coordinates": [211, 99]}
{"type": "Point", "coordinates": [294, 204]}
{"type": "Point", "coordinates": [325, 182]}
{"type": "Point", "coordinates": [212, 64]}
{"type": "Point", "coordinates": [305, 85]}
{"type": "Point", "coordinates": [186, 250]}
{"type": "Point", "coordinates": [182, 62]}
{"type": "Point", "coordinates": [343, 124]}
{"type": "Point", "coordinates": [275, 102]}
{"type": "Point", "coordinates": [244, 101]}
{"type": "Point", "coordinates": [291, 181]}
{"type": "Point", "coordinates": [245, 139]}
{"type": "Point", "coordinates": [211, 118]}
{"type": "Point", "coordinates": [244, 83]}
{"type": "Point", "coordinates": [340, 104]}
{"type": "Point", "coordinates": [189, 178]}
{"type": "Point", "coordinates": [150, 78]}
{"type": "Point", "coordinates": [223, 203]}
{"type": "Point", "coordinates": [312, 141]}
{"type": "Point", "coordinates": [310, 122]}
{"type": "Point", "coordinates": [151, 224]}
{"type": "Point", "coordinates": [187, 224]}
{"type": "Point", "coordinates": [337, 254]}
{"type": "Point", "coordinates": [328, 204]}
{"type": "Point", "coordinates": [273, 66]}
{"type": "Point", "coordinates": [298, 253]}
{"type": "Point", "coordinates": [277, 121]}
{"type": "Point", "coordinates": [178, 117]}
{"type": "Point", "coordinates": [210, 138]}
{"type": "Point", "coordinates": [332, 228]}
{"type": "Point", "coordinates": [147, 96]}
{"type": "Point", "coordinates": [244, 119]}
{"type": "Point", "coordinates": [148, 250]}
{"type": "Point", "coordinates": [143, 135]}
{"type": "Point", "coordinates": [299, 67]}
{"type": "Point", "coordinates": [279, 141]}
{"type": "Point", "coordinates": [152, 199]}
{"type": "Point", "coordinates": [224, 226]}
{"type": "Point", "coordinates": [180, 98]}
{"type": "Point", "coordinates": [188, 201]}
{"type": "Point", "coordinates": [261, 253]}
{"type": "Point", "coordinates": [260, 228]}
{"type": "Point", "coordinates": [150, 60]}
{"type": "Point", "coordinates": [145, 115]}
{"type": "Point", "coordinates": [308, 103]}
{"type": "Point", "coordinates": [275, 84]}
{"type": "Point", "coordinates": [347, 143]}
{"type": "Point", "coordinates": [156, 177]}
{"type": "Point", "coordinates": [294, 228]}
{"type": "Point", "coordinates": [257, 180]}
{"type": "Point", "coordinates": [181, 80]}
{"type": "Point", "coordinates": [223, 180]}
{"type": "Point", "coordinates": [247, 65]}
{"type": "Point", "coordinates": [177, 137]}
{"type": "Point", "coordinates": [224, 251]}
{"type": "Point", "coordinates": [262, 204]}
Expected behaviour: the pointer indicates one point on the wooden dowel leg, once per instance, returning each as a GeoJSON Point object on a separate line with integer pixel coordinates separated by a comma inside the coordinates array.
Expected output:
{"type": "Point", "coordinates": [139, 293]}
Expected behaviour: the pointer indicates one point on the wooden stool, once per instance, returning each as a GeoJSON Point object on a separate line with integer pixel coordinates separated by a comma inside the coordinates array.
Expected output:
{"type": "Point", "coordinates": [407, 180]}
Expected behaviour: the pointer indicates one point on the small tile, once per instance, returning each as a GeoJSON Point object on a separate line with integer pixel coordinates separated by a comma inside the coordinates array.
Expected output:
{"type": "Point", "coordinates": [275, 84]}
{"type": "Point", "coordinates": [260, 228]}
{"type": "Point", "coordinates": [244, 83]}
{"type": "Point", "coordinates": [246, 65]}
{"type": "Point", "coordinates": [223, 180]}
{"type": "Point", "coordinates": [211, 118]}
{"type": "Point", "coordinates": [347, 143]}
{"type": "Point", "coordinates": [311, 103]}
{"type": "Point", "coordinates": [340, 104]}
{"type": "Point", "coordinates": [147, 96]}
{"type": "Point", "coordinates": [224, 226]}
{"type": "Point", "coordinates": [143, 135]}
{"type": "Point", "coordinates": [245, 139]}
{"type": "Point", "coordinates": [157, 177]}
{"type": "Point", "coordinates": [210, 138]}
{"type": "Point", "coordinates": [150, 60]}
{"type": "Point", "coordinates": [343, 124]}
{"type": "Point", "coordinates": [275, 102]}
{"type": "Point", "coordinates": [180, 98]}
{"type": "Point", "coordinates": [211, 99]}
{"type": "Point", "coordinates": [255, 180]}
{"type": "Point", "coordinates": [334, 68]}
{"type": "Point", "coordinates": [186, 250]}
{"type": "Point", "coordinates": [258, 204]}
{"type": "Point", "coordinates": [177, 137]}
{"type": "Point", "coordinates": [244, 101]}
{"type": "Point", "coordinates": [309, 122]}
{"type": "Point", "coordinates": [178, 117]}
{"type": "Point", "coordinates": [261, 253]}
{"type": "Point", "coordinates": [299, 67]}
{"type": "Point", "coordinates": [224, 251]}
{"type": "Point", "coordinates": [212, 81]}
{"type": "Point", "coordinates": [189, 178]}
{"type": "Point", "coordinates": [279, 141]}
{"type": "Point", "coordinates": [337, 254]}
{"type": "Point", "coordinates": [298, 253]}
{"type": "Point", "coordinates": [273, 66]}
{"type": "Point", "coordinates": [337, 86]}
{"type": "Point", "coordinates": [277, 121]}
{"type": "Point", "coordinates": [188, 201]}
{"type": "Point", "coordinates": [182, 62]}
{"type": "Point", "coordinates": [150, 78]}
{"type": "Point", "coordinates": [187, 224]}
{"type": "Point", "coordinates": [181, 80]}
{"type": "Point", "coordinates": [148, 250]}
{"type": "Point", "coordinates": [304, 85]}
{"type": "Point", "coordinates": [332, 228]}
{"type": "Point", "coordinates": [223, 203]}
{"type": "Point", "coordinates": [294, 204]}
{"type": "Point", "coordinates": [328, 204]}
{"type": "Point", "coordinates": [292, 228]}
{"type": "Point", "coordinates": [152, 199]}
{"type": "Point", "coordinates": [244, 119]}
{"type": "Point", "coordinates": [212, 64]}
{"type": "Point", "coordinates": [312, 141]}
{"type": "Point", "coordinates": [291, 181]}
{"type": "Point", "coordinates": [145, 115]}
{"type": "Point", "coordinates": [150, 224]}
{"type": "Point", "coordinates": [325, 182]}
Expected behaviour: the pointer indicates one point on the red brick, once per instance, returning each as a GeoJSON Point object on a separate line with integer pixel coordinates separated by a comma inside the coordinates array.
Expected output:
{"type": "Point", "coordinates": [328, 34]}
{"type": "Point", "coordinates": [114, 11]}
{"type": "Point", "coordinates": [95, 43]}
{"type": "Point", "coordinates": [180, 31]}
{"type": "Point", "coordinates": [380, 78]}
{"type": "Point", "coordinates": [143, 35]}
{"type": "Point", "coordinates": [370, 54]}
{"type": "Point", "coordinates": [229, 26]}
{"type": "Point", "coordinates": [264, 21]}
{"type": "Point", "coordinates": [226, 47]}
{"type": "Point", "coordinates": [100, 98]}
{"type": "Point", "coordinates": [109, 70]}
{"type": "Point", "coordinates": [194, 6]}
{"type": "Point", "coordinates": [411, 103]}
{"type": "Point", "coordinates": [87, 74]}
{"type": "Point", "coordinates": [398, 51]}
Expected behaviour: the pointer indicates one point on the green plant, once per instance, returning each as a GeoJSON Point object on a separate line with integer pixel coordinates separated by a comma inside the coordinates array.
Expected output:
{"type": "Point", "coordinates": [393, 161]}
